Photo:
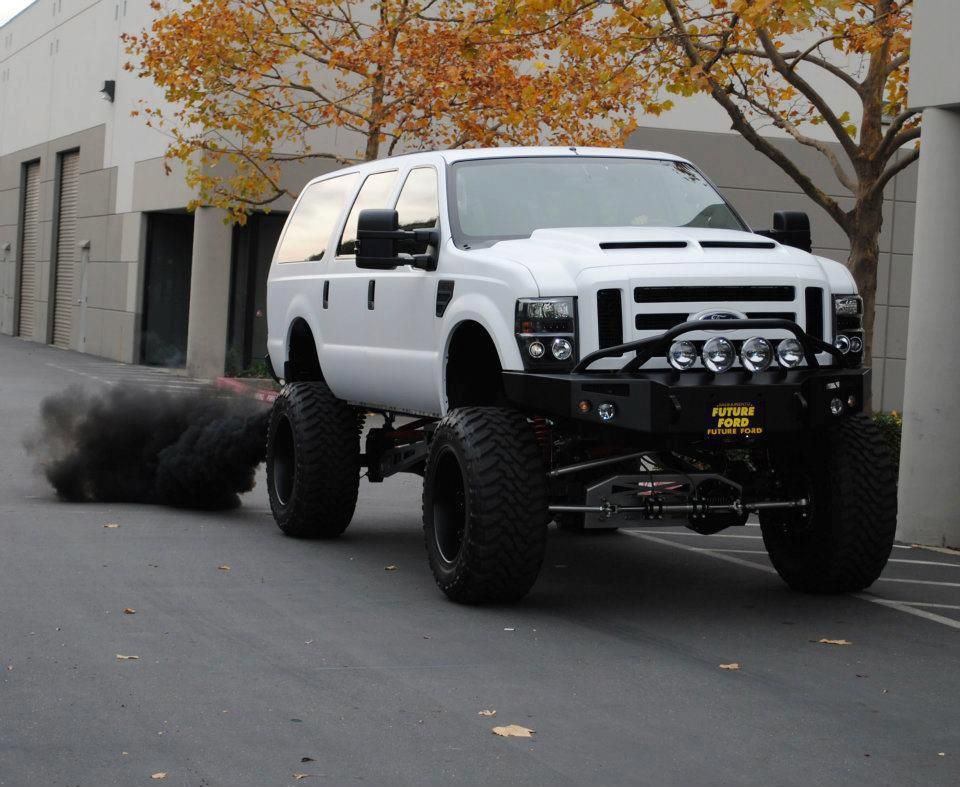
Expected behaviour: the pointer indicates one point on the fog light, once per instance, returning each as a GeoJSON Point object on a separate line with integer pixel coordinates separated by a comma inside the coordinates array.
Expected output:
{"type": "Point", "coordinates": [856, 344]}
{"type": "Point", "coordinates": [606, 411]}
{"type": "Point", "coordinates": [562, 349]}
{"type": "Point", "coordinates": [790, 353]}
{"type": "Point", "coordinates": [536, 349]}
{"type": "Point", "coordinates": [836, 406]}
{"type": "Point", "coordinates": [584, 406]}
{"type": "Point", "coordinates": [842, 343]}
{"type": "Point", "coordinates": [682, 355]}
{"type": "Point", "coordinates": [718, 355]}
{"type": "Point", "coordinates": [851, 401]}
{"type": "Point", "coordinates": [756, 354]}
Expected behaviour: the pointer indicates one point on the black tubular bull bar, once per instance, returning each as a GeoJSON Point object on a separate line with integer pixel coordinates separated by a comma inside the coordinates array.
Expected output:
{"type": "Point", "coordinates": [689, 403]}
{"type": "Point", "coordinates": [657, 345]}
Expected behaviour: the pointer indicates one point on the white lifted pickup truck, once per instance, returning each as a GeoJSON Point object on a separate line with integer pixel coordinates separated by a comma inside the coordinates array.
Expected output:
{"type": "Point", "coordinates": [588, 336]}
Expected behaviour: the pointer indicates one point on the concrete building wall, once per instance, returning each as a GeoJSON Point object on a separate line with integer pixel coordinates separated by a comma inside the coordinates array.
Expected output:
{"type": "Point", "coordinates": [930, 452]}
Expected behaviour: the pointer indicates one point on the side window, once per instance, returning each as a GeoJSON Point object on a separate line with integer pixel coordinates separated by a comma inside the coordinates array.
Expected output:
{"type": "Point", "coordinates": [417, 206]}
{"type": "Point", "coordinates": [314, 220]}
{"type": "Point", "coordinates": [373, 194]}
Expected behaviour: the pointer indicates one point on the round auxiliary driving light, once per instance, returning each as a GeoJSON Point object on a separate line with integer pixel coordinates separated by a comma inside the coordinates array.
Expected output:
{"type": "Point", "coordinates": [562, 349]}
{"type": "Point", "coordinates": [606, 411]}
{"type": "Point", "coordinates": [790, 353]}
{"type": "Point", "coordinates": [682, 355]}
{"type": "Point", "coordinates": [756, 354]}
{"type": "Point", "coordinates": [536, 349]}
{"type": "Point", "coordinates": [718, 355]}
{"type": "Point", "coordinates": [836, 406]}
{"type": "Point", "coordinates": [842, 343]}
{"type": "Point", "coordinates": [856, 344]}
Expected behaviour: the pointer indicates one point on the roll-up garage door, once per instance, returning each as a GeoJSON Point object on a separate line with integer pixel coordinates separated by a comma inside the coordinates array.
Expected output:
{"type": "Point", "coordinates": [66, 250]}
{"type": "Point", "coordinates": [29, 250]}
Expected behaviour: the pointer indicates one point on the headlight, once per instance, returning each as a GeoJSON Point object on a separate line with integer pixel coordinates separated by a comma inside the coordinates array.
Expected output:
{"type": "Point", "coordinates": [848, 328]}
{"type": "Point", "coordinates": [543, 323]}
{"type": "Point", "coordinates": [790, 353]}
{"type": "Point", "coordinates": [848, 304]}
{"type": "Point", "coordinates": [718, 355]}
{"type": "Point", "coordinates": [682, 355]}
{"type": "Point", "coordinates": [756, 354]}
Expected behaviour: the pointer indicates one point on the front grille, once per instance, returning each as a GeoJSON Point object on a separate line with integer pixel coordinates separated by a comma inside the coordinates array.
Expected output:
{"type": "Point", "coordinates": [814, 308]}
{"type": "Point", "coordinates": [664, 322]}
{"type": "Point", "coordinates": [713, 294]}
{"type": "Point", "coordinates": [609, 318]}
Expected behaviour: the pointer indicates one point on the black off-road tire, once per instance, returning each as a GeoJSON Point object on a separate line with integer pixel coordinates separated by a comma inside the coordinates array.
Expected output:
{"type": "Point", "coordinates": [485, 506]}
{"type": "Point", "coordinates": [843, 544]}
{"type": "Point", "coordinates": [313, 461]}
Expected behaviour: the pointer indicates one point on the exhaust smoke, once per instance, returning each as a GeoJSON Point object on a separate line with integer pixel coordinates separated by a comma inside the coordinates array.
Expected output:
{"type": "Point", "coordinates": [132, 445]}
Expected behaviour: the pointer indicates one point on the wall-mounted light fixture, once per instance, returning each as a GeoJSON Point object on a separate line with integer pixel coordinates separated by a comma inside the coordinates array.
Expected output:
{"type": "Point", "coordinates": [108, 90]}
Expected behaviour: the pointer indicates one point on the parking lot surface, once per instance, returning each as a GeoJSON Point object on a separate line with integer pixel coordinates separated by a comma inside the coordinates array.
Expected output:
{"type": "Point", "coordinates": [262, 659]}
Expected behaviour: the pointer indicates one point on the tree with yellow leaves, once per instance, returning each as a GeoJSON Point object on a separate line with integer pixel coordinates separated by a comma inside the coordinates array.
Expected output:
{"type": "Point", "coordinates": [252, 84]}
{"type": "Point", "coordinates": [769, 63]}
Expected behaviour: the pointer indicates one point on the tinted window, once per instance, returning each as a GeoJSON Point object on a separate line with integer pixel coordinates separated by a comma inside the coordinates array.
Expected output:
{"type": "Point", "coordinates": [417, 205]}
{"type": "Point", "coordinates": [373, 194]}
{"type": "Point", "coordinates": [314, 220]}
{"type": "Point", "coordinates": [494, 199]}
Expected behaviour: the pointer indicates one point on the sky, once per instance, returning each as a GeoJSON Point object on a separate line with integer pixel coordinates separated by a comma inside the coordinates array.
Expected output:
{"type": "Point", "coordinates": [10, 7]}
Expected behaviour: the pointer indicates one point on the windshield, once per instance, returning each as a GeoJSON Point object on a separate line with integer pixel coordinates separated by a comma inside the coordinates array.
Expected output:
{"type": "Point", "coordinates": [501, 198]}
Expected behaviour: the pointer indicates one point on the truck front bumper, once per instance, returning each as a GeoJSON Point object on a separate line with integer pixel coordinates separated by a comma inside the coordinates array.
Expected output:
{"type": "Point", "coordinates": [734, 406]}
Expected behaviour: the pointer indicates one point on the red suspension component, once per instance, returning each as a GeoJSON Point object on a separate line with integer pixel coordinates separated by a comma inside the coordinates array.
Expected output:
{"type": "Point", "coordinates": [541, 428]}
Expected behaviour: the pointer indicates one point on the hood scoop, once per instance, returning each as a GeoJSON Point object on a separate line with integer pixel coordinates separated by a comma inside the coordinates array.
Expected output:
{"type": "Point", "coordinates": [737, 244]}
{"type": "Point", "coordinates": [645, 244]}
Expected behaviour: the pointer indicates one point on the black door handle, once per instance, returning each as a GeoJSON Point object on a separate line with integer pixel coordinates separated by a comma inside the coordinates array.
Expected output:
{"type": "Point", "coordinates": [371, 293]}
{"type": "Point", "coordinates": [326, 294]}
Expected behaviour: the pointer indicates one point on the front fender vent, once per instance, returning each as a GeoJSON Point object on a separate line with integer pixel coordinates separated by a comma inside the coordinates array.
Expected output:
{"type": "Point", "coordinates": [610, 317]}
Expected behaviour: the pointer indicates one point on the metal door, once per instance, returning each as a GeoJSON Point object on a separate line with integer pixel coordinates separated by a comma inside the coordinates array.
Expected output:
{"type": "Point", "coordinates": [29, 251]}
{"type": "Point", "coordinates": [64, 299]}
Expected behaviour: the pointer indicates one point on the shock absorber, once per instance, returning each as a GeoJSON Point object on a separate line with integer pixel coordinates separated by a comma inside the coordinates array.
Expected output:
{"type": "Point", "coordinates": [541, 428]}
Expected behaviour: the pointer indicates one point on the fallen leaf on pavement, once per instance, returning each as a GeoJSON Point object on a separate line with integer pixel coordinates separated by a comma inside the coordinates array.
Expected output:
{"type": "Point", "coordinates": [224, 568]}
{"type": "Point", "coordinates": [112, 525]}
{"type": "Point", "coordinates": [299, 776]}
{"type": "Point", "coordinates": [161, 775]}
{"type": "Point", "coordinates": [834, 642]}
{"type": "Point", "coordinates": [307, 759]}
{"type": "Point", "coordinates": [734, 666]}
{"type": "Point", "coordinates": [390, 568]}
{"type": "Point", "coordinates": [9, 667]}
{"type": "Point", "coordinates": [487, 713]}
{"type": "Point", "coordinates": [509, 629]}
{"type": "Point", "coordinates": [513, 730]}
{"type": "Point", "coordinates": [129, 611]}
{"type": "Point", "coordinates": [121, 657]}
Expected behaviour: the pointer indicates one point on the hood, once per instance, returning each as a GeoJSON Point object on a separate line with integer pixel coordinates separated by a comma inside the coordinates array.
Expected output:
{"type": "Point", "coordinates": [558, 258]}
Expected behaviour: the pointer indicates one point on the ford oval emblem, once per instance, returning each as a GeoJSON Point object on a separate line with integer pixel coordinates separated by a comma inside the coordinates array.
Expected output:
{"type": "Point", "coordinates": [712, 314]}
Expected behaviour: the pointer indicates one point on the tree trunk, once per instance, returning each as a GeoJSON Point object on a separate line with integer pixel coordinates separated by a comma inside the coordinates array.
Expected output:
{"type": "Point", "coordinates": [863, 233]}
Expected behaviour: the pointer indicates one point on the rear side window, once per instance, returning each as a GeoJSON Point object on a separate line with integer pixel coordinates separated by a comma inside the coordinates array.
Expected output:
{"type": "Point", "coordinates": [417, 206]}
{"type": "Point", "coordinates": [314, 220]}
{"type": "Point", "coordinates": [373, 194]}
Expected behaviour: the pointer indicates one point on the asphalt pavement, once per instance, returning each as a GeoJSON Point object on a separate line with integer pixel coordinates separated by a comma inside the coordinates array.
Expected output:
{"type": "Point", "coordinates": [263, 660]}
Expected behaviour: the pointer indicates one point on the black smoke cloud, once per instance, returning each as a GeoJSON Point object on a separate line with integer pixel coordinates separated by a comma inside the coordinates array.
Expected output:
{"type": "Point", "coordinates": [128, 444]}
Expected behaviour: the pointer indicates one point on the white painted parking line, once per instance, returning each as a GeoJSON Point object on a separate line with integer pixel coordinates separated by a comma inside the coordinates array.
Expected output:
{"type": "Point", "coordinates": [910, 610]}
{"type": "Point", "coordinates": [921, 582]}
{"type": "Point", "coordinates": [735, 551]}
{"type": "Point", "coordinates": [922, 604]}
{"type": "Point", "coordinates": [923, 562]}
{"type": "Point", "coordinates": [691, 534]}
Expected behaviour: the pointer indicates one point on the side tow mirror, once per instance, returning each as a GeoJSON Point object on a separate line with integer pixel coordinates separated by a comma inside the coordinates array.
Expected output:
{"type": "Point", "coordinates": [791, 228]}
{"type": "Point", "coordinates": [377, 239]}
